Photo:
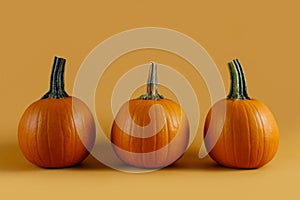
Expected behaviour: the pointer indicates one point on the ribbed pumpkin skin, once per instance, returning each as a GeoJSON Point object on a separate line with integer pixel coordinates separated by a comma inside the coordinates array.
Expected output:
{"type": "Point", "coordinates": [49, 131]}
{"type": "Point", "coordinates": [249, 138]}
{"type": "Point", "coordinates": [159, 150]}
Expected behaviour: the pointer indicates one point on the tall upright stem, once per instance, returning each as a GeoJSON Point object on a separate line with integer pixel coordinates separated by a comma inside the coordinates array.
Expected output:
{"type": "Point", "coordinates": [238, 88]}
{"type": "Point", "coordinates": [152, 84]}
{"type": "Point", "coordinates": [57, 84]}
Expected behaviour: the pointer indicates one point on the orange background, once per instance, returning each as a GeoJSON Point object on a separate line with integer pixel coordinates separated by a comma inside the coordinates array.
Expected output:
{"type": "Point", "coordinates": [264, 35]}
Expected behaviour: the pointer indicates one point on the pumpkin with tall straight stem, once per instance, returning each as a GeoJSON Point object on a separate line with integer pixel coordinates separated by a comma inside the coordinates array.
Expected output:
{"type": "Point", "coordinates": [249, 134]}
{"type": "Point", "coordinates": [58, 130]}
{"type": "Point", "coordinates": [150, 131]}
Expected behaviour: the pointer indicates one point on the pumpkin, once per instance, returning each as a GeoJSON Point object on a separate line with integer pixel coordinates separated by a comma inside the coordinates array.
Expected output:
{"type": "Point", "coordinates": [150, 131]}
{"type": "Point", "coordinates": [57, 130]}
{"type": "Point", "coordinates": [247, 131]}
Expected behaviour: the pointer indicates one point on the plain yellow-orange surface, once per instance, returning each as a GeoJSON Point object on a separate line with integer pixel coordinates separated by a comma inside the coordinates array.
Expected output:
{"type": "Point", "coordinates": [264, 35]}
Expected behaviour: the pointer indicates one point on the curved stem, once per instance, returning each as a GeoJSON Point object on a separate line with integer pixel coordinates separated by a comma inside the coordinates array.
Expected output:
{"type": "Point", "coordinates": [243, 79]}
{"type": "Point", "coordinates": [238, 88]}
{"type": "Point", "coordinates": [57, 85]}
{"type": "Point", "coordinates": [152, 84]}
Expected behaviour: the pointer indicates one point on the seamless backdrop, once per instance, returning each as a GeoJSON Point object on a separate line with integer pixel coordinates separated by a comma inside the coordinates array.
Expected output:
{"type": "Point", "coordinates": [264, 35]}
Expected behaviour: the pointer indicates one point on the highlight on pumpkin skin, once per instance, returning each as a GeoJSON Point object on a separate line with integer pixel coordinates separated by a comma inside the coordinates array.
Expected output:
{"type": "Point", "coordinates": [151, 131]}
{"type": "Point", "coordinates": [249, 135]}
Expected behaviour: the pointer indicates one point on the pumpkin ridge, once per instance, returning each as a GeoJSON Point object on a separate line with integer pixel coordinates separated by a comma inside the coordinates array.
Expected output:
{"type": "Point", "coordinates": [144, 108]}
{"type": "Point", "coordinates": [224, 135]}
{"type": "Point", "coordinates": [143, 141]}
{"type": "Point", "coordinates": [156, 128]}
{"type": "Point", "coordinates": [170, 112]}
{"type": "Point", "coordinates": [259, 134]}
{"type": "Point", "coordinates": [48, 133]}
{"type": "Point", "coordinates": [167, 125]}
{"type": "Point", "coordinates": [66, 129]}
{"type": "Point", "coordinates": [57, 134]}
{"type": "Point", "coordinates": [262, 134]}
{"type": "Point", "coordinates": [135, 121]}
{"type": "Point", "coordinates": [27, 145]}
{"type": "Point", "coordinates": [155, 145]}
{"type": "Point", "coordinates": [136, 116]}
{"type": "Point", "coordinates": [63, 128]}
{"type": "Point", "coordinates": [249, 132]}
{"type": "Point", "coordinates": [28, 136]}
{"type": "Point", "coordinates": [60, 135]}
{"type": "Point", "coordinates": [74, 128]}
{"type": "Point", "coordinates": [38, 134]}
{"type": "Point", "coordinates": [234, 133]}
{"type": "Point", "coordinates": [172, 116]}
{"type": "Point", "coordinates": [125, 135]}
{"type": "Point", "coordinates": [115, 125]}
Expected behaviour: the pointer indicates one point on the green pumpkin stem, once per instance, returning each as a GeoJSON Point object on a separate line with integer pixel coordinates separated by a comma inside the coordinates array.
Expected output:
{"type": "Point", "coordinates": [152, 85]}
{"type": "Point", "coordinates": [57, 85]}
{"type": "Point", "coordinates": [238, 88]}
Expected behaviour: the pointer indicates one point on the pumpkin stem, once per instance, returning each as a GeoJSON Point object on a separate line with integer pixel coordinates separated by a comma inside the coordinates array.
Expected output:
{"type": "Point", "coordinates": [152, 84]}
{"type": "Point", "coordinates": [57, 85]}
{"type": "Point", "coordinates": [238, 89]}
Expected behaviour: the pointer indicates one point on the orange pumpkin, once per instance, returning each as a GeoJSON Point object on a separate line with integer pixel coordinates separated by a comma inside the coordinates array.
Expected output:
{"type": "Point", "coordinates": [54, 130]}
{"type": "Point", "coordinates": [151, 131]}
{"type": "Point", "coordinates": [249, 134]}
